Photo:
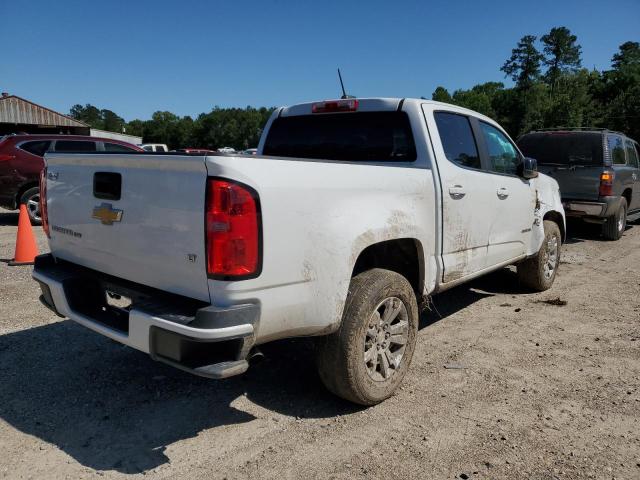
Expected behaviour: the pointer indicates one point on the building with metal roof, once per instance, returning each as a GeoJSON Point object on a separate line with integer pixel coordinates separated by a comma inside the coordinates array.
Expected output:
{"type": "Point", "coordinates": [18, 115]}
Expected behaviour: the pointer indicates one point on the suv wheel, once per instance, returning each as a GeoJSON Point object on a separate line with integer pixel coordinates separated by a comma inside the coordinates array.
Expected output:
{"type": "Point", "coordinates": [31, 198]}
{"type": "Point", "coordinates": [615, 225]}
{"type": "Point", "coordinates": [367, 358]}
{"type": "Point", "coordinates": [539, 272]}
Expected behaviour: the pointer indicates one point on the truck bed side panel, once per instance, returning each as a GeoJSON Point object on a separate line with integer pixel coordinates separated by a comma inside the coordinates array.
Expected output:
{"type": "Point", "coordinates": [318, 216]}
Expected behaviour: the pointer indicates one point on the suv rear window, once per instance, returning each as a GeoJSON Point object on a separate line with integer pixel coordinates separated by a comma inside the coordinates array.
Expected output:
{"type": "Point", "coordinates": [353, 137]}
{"type": "Point", "coordinates": [75, 146]}
{"type": "Point", "coordinates": [563, 148]}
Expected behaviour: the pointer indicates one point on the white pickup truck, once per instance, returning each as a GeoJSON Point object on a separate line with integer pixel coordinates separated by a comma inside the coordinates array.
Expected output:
{"type": "Point", "coordinates": [351, 214]}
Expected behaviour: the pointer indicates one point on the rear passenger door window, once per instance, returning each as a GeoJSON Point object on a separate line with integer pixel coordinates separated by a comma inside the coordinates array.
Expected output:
{"type": "Point", "coordinates": [632, 154]}
{"type": "Point", "coordinates": [72, 146]}
{"type": "Point", "coordinates": [36, 148]}
{"type": "Point", "coordinates": [457, 139]}
{"type": "Point", "coordinates": [616, 149]}
{"type": "Point", "coordinates": [114, 147]}
{"type": "Point", "coordinates": [503, 156]}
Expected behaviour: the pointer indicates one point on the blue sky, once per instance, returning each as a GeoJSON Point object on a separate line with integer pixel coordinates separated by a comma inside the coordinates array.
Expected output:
{"type": "Point", "coordinates": [186, 56]}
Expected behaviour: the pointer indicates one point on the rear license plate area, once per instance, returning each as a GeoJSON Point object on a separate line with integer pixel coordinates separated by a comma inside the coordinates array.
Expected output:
{"type": "Point", "coordinates": [91, 299]}
{"type": "Point", "coordinates": [115, 300]}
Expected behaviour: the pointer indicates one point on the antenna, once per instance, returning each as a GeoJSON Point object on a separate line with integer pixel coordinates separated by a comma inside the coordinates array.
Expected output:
{"type": "Point", "coordinates": [344, 93]}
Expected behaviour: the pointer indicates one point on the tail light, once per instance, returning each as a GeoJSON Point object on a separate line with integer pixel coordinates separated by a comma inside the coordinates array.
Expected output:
{"type": "Point", "coordinates": [43, 201]}
{"type": "Point", "coordinates": [330, 106]}
{"type": "Point", "coordinates": [233, 230]}
{"type": "Point", "coordinates": [5, 157]}
{"type": "Point", "coordinates": [606, 183]}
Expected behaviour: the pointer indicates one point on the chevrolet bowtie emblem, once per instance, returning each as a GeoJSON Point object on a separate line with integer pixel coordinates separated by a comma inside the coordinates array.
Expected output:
{"type": "Point", "coordinates": [107, 214]}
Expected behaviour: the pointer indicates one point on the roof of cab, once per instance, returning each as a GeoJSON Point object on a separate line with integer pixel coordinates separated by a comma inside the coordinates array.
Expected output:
{"type": "Point", "coordinates": [379, 104]}
{"type": "Point", "coordinates": [364, 105]}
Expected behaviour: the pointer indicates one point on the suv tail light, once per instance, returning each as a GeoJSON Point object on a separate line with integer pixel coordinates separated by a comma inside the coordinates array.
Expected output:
{"type": "Point", "coordinates": [328, 106]}
{"type": "Point", "coordinates": [43, 201]}
{"type": "Point", "coordinates": [233, 230]}
{"type": "Point", "coordinates": [5, 157]}
{"type": "Point", "coordinates": [606, 183]}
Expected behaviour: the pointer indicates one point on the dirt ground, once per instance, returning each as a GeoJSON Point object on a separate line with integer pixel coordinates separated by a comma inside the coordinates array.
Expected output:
{"type": "Point", "coordinates": [503, 385]}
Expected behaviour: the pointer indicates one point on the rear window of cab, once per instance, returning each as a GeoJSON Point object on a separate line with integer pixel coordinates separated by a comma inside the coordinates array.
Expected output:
{"type": "Point", "coordinates": [352, 137]}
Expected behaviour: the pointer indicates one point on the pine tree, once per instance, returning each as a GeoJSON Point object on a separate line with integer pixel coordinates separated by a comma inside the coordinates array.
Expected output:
{"type": "Point", "coordinates": [524, 64]}
{"type": "Point", "coordinates": [562, 53]}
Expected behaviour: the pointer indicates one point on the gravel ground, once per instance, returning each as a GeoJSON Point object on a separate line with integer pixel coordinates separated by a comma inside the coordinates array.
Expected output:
{"type": "Point", "coordinates": [503, 385]}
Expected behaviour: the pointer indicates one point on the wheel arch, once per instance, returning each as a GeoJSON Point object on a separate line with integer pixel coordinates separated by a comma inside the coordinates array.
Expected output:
{"type": "Point", "coordinates": [558, 219]}
{"type": "Point", "coordinates": [23, 188]}
{"type": "Point", "coordinates": [627, 195]}
{"type": "Point", "coordinates": [403, 255]}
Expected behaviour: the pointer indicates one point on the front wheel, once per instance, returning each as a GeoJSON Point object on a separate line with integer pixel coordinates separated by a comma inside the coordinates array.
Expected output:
{"type": "Point", "coordinates": [614, 226]}
{"type": "Point", "coordinates": [31, 198]}
{"type": "Point", "coordinates": [367, 358]}
{"type": "Point", "coordinates": [539, 272]}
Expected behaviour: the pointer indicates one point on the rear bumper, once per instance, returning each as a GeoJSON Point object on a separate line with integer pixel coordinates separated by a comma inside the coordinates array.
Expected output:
{"type": "Point", "coordinates": [601, 209]}
{"type": "Point", "coordinates": [202, 339]}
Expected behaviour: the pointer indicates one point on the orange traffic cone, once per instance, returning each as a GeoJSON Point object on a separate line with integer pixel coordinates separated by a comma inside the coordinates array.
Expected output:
{"type": "Point", "coordinates": [26, 248]}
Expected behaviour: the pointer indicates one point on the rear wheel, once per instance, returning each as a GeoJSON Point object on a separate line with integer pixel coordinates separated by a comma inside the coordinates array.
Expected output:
{"type": "Point", "coordinates": [367, 358]}
{"type": "Point", "coordinates": [31, 199]}
{"type": "Point", "coordinates": [614, 226]}
{"type": "Point", "coordinates": [539, 272]}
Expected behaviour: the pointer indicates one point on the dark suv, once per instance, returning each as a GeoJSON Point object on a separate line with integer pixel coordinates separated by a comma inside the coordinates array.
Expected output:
{"type": "Point", "coordinates": [598, 172]}
{"type": "Point", "coordinates": [21, 160]}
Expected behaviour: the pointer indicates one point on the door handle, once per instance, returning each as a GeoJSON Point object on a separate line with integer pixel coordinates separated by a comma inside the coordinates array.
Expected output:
{"type": "Point", "coordinates": [457, 191]}
{"type": "Point", "coordinates": [502, 193]}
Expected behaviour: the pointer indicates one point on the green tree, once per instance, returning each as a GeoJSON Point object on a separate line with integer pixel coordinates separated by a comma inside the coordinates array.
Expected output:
{"type": "Point", "coordinates": [524, 64]}
{"type": "Point", "coordinates": [620, 92]}
{"type": "Point", "coordinates": [232, 127]}
{"type": "Point", "coordinates": [571, 104]}
{"type": "Point", "coordinates": [87, 114]}
{"type": "Point", "coordinates": [628, 56]}
{"type": "Point", "coordinates": [562, 53]}
{"type": "Point", "coordinates": [111, 121]}
{"type": "Point", "coordinates": [94, 117]}
{"type": "Point", "coordinates": [135, 127]}
{"type": "Point", "coordinates": [441, 94]}
{"type": "Point", "coordinates": [162, 128]}
{"type": "Point", "coordinates": [481, 98]}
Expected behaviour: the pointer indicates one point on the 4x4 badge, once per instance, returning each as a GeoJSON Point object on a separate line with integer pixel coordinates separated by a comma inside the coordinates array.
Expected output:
{"type": "Point", "coordinates": [107, 214]}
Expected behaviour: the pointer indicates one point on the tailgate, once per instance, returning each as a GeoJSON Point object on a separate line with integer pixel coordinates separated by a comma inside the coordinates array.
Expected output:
{"type": "Point", "coordinates": [152, 234]}
{"type": "Point", "coordinates": [576, 183]}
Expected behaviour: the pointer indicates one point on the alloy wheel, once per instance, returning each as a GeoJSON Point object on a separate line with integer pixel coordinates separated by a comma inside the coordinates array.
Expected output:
{"type": "Point", "coordinates": [386, 337]}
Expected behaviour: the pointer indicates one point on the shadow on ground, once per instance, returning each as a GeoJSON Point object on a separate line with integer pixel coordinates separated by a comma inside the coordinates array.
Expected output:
{"type": "Point", "coordinates": [451, 301]}
{"type": "Point", "coordinates": [113, 408]}
{"type": "Point", "coordinates": [8, 218]}
{"type": "Point", "coordinates": [578, 231]}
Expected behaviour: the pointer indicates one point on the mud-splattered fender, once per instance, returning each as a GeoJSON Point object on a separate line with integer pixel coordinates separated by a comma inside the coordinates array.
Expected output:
{"type": "Point", "coordinates": [547, 201]}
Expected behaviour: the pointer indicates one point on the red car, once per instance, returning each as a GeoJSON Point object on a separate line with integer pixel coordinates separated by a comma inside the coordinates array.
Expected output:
{"type": "Point", "coordinates": [21, 160]}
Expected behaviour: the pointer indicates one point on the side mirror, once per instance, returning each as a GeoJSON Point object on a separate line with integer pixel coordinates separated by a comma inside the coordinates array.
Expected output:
{"type": "Point", "coordinates": [528, 168]}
